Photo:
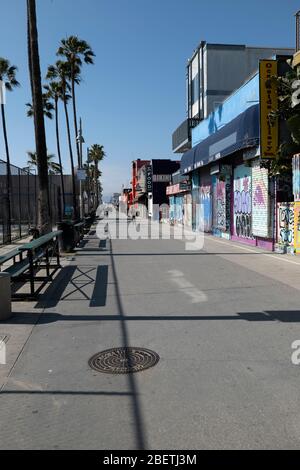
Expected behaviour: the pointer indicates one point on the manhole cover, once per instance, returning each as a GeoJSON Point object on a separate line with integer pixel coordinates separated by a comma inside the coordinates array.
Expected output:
{"type": "Point", "coordinates": [123, 360]}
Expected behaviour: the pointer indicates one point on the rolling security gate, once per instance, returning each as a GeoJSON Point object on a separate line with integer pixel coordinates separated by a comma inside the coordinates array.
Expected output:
{"type": "Point", "coordinates": [242, 209]}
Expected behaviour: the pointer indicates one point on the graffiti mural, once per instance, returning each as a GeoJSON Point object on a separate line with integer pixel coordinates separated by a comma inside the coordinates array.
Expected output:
{"type": "Point", "coordinates": [243, 202]}
{"type": "Point", "coordinates": [296, 177]}
{"type": "Point", "coordinates": [297, 227]}
{"type": "Point", "coordinates": [205, 200]}
{"type": "Point", "coordinates": [260, 203]}
{"type": "Point", "coordinates": [285, 229]}
{"type": "Point", "coordinates": [219, 204]}
{"type": "Point", "coordinates": [228, 205]}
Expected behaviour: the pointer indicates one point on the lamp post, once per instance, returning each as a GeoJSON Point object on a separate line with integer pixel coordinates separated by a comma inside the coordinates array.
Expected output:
{"type": "Point", "coordinates": [80, 141]}
{"type": "Point", "coordinates": [297, 15]}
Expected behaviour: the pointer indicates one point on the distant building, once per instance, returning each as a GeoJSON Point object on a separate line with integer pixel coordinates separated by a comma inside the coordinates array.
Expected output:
{"type": "Point", "coordinates": [151, 178]}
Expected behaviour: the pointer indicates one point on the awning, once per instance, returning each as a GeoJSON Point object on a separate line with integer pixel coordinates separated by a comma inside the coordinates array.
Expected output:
{"type": "Point", "coordinates": [242, 132]}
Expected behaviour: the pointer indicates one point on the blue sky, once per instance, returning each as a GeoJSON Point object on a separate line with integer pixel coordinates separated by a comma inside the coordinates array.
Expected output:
{"type": "Point", "coordinates": [134, 97]}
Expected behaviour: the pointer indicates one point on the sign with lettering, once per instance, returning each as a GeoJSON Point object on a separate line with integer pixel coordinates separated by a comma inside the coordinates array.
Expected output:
{"type": "Point", "coordinates": [149, 179]}
{"type": "Point", "coordinates": [268, 103]}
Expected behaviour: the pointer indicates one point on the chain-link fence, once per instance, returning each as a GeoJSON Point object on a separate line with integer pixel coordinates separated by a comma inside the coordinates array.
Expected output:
{"type": "Point", "coordinates": [18, 206]}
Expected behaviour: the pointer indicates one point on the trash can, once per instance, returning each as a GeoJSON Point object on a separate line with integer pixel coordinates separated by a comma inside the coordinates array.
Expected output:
{"type": "Point", "coordinates": [87, 224]}
{"type": "Point", "coordinates": [5, 297]}
{"type": "Point", "coordinates": [68, 239]}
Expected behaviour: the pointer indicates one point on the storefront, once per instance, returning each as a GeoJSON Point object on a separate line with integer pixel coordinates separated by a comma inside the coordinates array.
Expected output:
{"type": "Point", "coordinates": [180, 201]}
{"type": "Point", "coordinates": [225, 196]}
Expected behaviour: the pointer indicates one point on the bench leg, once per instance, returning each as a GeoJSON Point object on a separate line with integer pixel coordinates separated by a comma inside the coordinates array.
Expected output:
{"type": "Point", "coordinates": [31, 271]}
{"type": "Point", "coordinates": [57, 254]}
{"type": "Point", "coordinates": [47, 263]}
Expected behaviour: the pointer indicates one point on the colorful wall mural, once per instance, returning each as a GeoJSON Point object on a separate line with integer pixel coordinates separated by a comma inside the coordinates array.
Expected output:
{"type": "Point", "coordinates": [179, 209]}
{"type": "Point", "coordinates": [296, 177]}
{"type": "Point", "coordinates": [242, 202]}
{"type": "Point", "coordinates": [260, 202]}
{"type": "Point", "coordinates": [285, 224]}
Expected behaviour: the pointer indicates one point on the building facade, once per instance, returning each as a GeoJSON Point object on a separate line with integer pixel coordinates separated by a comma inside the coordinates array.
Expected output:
{"type": "Point", "coordinates": [212, 74]}
{"type": "Point", "coordinates": [233, 195]}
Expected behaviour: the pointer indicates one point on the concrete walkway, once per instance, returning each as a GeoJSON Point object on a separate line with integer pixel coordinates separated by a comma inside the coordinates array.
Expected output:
{"type": "Point", "coordinates": [222, 320]}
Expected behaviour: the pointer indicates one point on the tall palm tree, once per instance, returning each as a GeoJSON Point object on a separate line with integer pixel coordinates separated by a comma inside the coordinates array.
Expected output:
{"type": "Point", "coordinates": [47, 107]}
{"type": "Point", "coordinates": [93, 175]}
{"type": "Point", "coordinates": [76, 51]}
{"type": "Point", "coordinates": [54, 168]}
{"type": "Point", "coordinates": [96, 155]}
{"type": "Point", "coordinates": [55, 93]}
{"type": "Point", "coordinates": [61, 71]}
{"type": "Point", "coordinates": [9, 81]}
{"type": "Point", "coordinates": [44, 218]}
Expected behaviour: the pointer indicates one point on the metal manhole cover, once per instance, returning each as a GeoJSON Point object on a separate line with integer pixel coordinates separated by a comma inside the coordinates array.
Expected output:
{"type": "Point", "coordinates": [123, 360]}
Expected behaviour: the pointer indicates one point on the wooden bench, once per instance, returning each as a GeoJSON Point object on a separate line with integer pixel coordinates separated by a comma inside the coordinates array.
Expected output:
{"type": "Point", "coordinates": [29, 259]}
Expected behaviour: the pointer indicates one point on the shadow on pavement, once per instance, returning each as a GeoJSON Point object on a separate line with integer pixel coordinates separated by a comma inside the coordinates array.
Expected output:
{"type": "Point", "coordinates": [284, 316]}
{"type": "Point", "coordinates": [63, 392]}
{"type": "Point", "coordinates": [100, 288]}
{"type": "Point", "coordinates": [76, 280]}
{"type": "Point", "coordinates": [91, 252]}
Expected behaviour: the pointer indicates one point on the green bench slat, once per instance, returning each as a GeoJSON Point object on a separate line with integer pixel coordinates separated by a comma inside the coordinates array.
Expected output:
{"type": "Point", "coordinates": [19, 268]}
{"type": "Point", "coordinates": [41, 241]}
{"type": "Point", "coordinates": [10, 255]}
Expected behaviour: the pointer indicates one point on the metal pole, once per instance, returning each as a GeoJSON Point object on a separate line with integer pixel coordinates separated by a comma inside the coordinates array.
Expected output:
{"type": "Point", "coordinates": [80, 140]}
{"type": "Point", "coordinates": [20, 203]}
{"type": "Point", "coordinates": [297, 15]}
{"type": "Point", "coordinates": [88, 181]}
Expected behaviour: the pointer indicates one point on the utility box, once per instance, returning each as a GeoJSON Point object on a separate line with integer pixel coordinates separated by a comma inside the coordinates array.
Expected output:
{"type": "Point", "coordinates": [5, 297]}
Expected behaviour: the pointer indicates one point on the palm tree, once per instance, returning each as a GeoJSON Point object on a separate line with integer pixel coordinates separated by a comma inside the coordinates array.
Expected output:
{"type": "Point", "coordinates": [8, 79]}
{"type": "Point", "coordinates": [54, 91]}
{"type": "Point", "coordinates": [96, 155]}
{"type": "Point", "coordinates": [61, 71]}
{"type": "Point", "coordinates": [54, 168]}
{"type": "Point", "coordinates": [47, 107]}
{"type": "Point", "coordinates": [44, 221]}
{"type": "Point", "coordinates": [75, 51]}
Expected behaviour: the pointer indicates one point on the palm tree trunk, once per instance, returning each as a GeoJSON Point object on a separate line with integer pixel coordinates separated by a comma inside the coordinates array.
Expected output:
{"type": "Point", "coordinates": [59, 156]}
{"type": "Point", "coordinates": [8, 175]}
{"type": "Point", "coordinates": [29, 54]}
{"type": "Point", "coordinates": [44, 221]}
{"type": "Point", "coordinates": [75, 119]}
{"type": "Point", "coordinates": [71, 157]}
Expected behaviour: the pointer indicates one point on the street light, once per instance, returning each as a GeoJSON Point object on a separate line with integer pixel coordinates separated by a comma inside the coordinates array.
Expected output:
{"type": "Point", "coordinates": [80, 140]}
{"type": "Point", "coordinates": [297, 15]}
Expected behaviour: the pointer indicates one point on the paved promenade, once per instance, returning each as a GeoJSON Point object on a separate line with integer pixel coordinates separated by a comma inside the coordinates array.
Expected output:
{"type": "Point", "coordinates": [222, 321]}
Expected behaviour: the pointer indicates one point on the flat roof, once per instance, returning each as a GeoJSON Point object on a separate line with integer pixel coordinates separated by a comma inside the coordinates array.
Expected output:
{"type": "Point", "coordinates": [236, 47]}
